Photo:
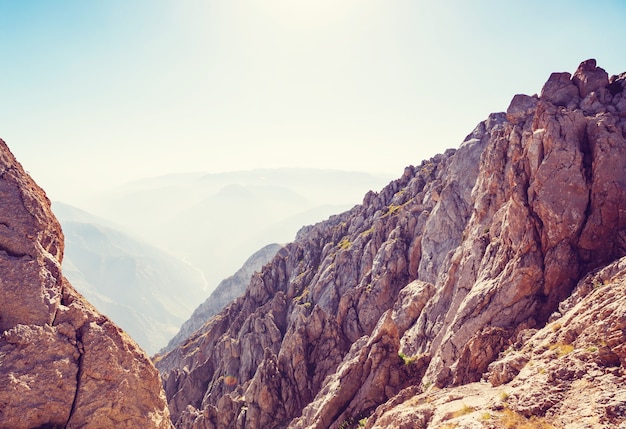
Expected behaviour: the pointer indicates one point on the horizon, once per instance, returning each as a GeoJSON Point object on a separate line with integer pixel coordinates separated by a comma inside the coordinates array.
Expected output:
{"type": "Point", "coordinates": [101, 94]}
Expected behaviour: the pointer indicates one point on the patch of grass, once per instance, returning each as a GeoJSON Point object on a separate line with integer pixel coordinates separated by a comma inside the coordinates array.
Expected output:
{"type": "Point", "coordinates": [592, 349]}
{"type": "Point", "coordinates": [562, 349]}
{"type": "Point", "coordinates": [367, 232]}
{"type": "Point", "coordinates": [406, 359]}
{"type": "Point", "coordinates": [510, 419]}
{"type": "Point", "coordinates": [344, 244]}
{"type": "Point", "coordinates": [485, 416]}
{"type": "Point", "coordinates": [393, 209]}
{"type": "Point", "coordinates": [363, 422]}
{"type": "Point", "coordinates": [556, 327]}
{"type": "Point", "coordinates": [464, 410]}
{"type": "Point", "coordinates": [504, 396]}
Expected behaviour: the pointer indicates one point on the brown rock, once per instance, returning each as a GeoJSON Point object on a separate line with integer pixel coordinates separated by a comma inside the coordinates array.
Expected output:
{"type": "Point", "coordinates": [521, 107]}
{"type": "Point", "coordinates": [589, 78]}
{"type": "Point", "coordinates": [458, 264]}
{"type": "Point", "coordinates": [62, 364]}
{"type": "Point", "coordinates": [559, 89]}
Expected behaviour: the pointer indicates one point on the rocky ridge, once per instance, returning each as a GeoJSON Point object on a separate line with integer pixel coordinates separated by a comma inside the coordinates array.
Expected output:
{"type": "Point", "coordinates": [62, 364]}
{"type": "Point", "coordinates": [442, 286]}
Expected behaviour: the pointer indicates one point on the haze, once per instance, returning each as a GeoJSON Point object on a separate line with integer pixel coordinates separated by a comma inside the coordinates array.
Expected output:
{"type": "Point", "coordinates": [96, 93]}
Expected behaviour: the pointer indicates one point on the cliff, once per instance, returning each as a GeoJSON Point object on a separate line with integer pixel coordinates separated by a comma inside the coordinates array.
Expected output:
{"type": "Point", "coordinates": [62, 364]}
{"type": "Point", "coordinates": [445, 285]}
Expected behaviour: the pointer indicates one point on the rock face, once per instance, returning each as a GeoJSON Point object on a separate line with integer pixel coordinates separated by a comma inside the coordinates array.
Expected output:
{"type": "Point", "coordinates": [62, 364]}
{"type": "Point", "coordinates": [226, 291]}
{"type": "Point", "coordinates": [450, 276]}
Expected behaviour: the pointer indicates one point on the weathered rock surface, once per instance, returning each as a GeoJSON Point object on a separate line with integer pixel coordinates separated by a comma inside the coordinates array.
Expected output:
{"type": "Point", "coordinates": [62, 364]}
{"type": "Point", "coordinates": [224, 294]}
{"type": "Point", "coordinates": [415, 295]}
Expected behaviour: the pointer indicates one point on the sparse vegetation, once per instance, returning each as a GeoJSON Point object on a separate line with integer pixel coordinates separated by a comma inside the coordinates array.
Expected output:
{"type": "Point", "coordinates": [556, 327]}
{"type": "Point", "coordinates": [504, 396]}
{"type": "Point", "coordinates": [562, 349]}
{"type": "Point", "coordinates": [344, 244]}
{"type": "Point", "coordinates": [367, 232]}
{"type": "Point", "coordinates": [393, 208]}
{"type": "Point", "coordinates": [466, 409]}
{"type": "Point", "coordinates": [406, 359]}
{"type": "Point", "coordinates": [510, 419]}
{"type": "Point", "coordinates": [363, 422]}
{"type": "Point", "coordinates": [344, 425]}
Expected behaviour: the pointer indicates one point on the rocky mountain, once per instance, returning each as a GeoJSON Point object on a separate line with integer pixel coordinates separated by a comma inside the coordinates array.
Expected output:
{"type": "Point", "coordinates": [62, 363]}
{"type": "Point", "coordinates": [226, 291]}
{"type": "Point", "coordinates": [483, 288]}
{"type": "Point", "coordinates": [144, 290]}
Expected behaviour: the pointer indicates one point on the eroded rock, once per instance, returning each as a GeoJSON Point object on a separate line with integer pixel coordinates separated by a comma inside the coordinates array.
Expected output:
{"type": "Point", "coordinates": [465, 256]}
{"type": "Point", "coordinates": [62, 364]}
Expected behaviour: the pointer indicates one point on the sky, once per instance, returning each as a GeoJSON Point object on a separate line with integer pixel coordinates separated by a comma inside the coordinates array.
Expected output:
{"type": "Point", "coordinates": [97, 93]}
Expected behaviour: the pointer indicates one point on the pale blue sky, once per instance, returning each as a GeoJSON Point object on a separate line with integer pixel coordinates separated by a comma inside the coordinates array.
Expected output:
{"type": "Point", "coordinates": [94, 93]}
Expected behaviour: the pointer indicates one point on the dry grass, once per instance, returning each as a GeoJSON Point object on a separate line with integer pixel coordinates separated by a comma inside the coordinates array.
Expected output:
{"type": "Point", "coordinates": [510, 419]}
{"type": "Point", "coordinates": [562, 349]}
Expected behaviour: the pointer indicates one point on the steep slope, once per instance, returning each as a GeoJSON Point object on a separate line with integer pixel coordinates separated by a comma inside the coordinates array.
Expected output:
{"type": "Point", "coordinates": [568, 374]}
{"type": "Point", "coordinates": [147, 292]}
{"type": "Point", "coordinates": [426, 282]}
{"type": "Point", "coordinates": [62, 364]}
{"type": "Point", "coordinates": [226, 291]}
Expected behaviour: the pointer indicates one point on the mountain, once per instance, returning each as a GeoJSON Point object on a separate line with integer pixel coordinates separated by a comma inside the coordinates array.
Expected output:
{"type": "Point", "coordinates": [146, 291]}
{"type": "Point", "coordinates": [62, 363]}
{"type": "Point", "coordinates": [226, 291]}
{"type": "Point", "coordinates": [483, 288]}
{"type": "Point", "coordinates": [216, 221]}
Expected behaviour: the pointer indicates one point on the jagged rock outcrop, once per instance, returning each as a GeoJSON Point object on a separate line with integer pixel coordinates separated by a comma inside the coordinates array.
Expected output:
{"type": "Point", "coordinates": [568, 374]}
{"type": "Point", "coordinates": [426, 283]}
{"type": "Point", "coordinates": [62, 364]}
{"type": "Point", "coordinates": [224, 294]}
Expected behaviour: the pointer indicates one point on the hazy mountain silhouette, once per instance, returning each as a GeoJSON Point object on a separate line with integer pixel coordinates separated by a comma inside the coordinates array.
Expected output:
{"type": "Point", "coordinates": [148, 292]}
{"type": "Point", "coordinates": [216, 221]}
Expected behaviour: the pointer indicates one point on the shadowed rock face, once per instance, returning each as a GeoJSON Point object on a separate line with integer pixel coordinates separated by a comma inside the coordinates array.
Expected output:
{"type": "Point", "coordinates": [428, 281]}
{"type": "Point", "coordinates": [62, 364]}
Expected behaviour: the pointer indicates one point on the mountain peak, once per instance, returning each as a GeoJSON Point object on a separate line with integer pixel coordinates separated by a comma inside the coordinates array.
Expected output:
{"type": "Point", "coordinates": [431, 280]}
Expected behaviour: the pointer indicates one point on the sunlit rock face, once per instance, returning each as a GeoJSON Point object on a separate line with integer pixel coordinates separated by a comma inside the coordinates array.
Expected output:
{"type": "Point", "coordinates": [388, 314]}
{"type": "Point", "coordinates": [62, 364]}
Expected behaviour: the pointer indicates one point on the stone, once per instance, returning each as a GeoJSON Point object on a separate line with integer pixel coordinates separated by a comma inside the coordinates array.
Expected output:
{"type": "Point", "coordinates": [589, 78]}
{"type": "Point", "coordinates": [521, 106]}
{"type": "Point", "coordinates": [559, 89]}
{"type": "Point", "coordinates": [62, 364]}
{"type": "Point", "coordinates": [441, 294]}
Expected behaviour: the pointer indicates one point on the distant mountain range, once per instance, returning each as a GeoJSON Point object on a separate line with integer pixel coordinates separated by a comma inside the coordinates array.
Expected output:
{"type": "Point", "coordinates": [160, 246]}
{"type": "Point", "coordinates": [146, 291]}
{"type": "Point", "coordinates": [216, 221]}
